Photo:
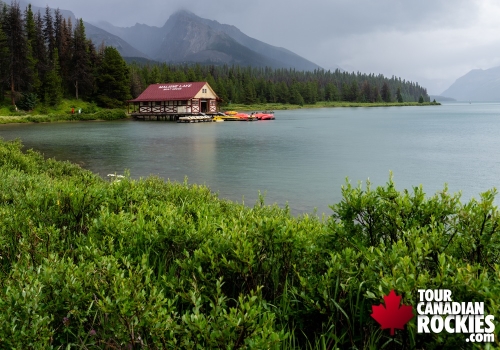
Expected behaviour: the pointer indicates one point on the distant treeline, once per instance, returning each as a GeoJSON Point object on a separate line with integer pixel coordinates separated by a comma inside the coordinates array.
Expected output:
{"type": "Point", "coordinates": [249, 85]}
{"type": "Point", "coordinates": [45, 57]}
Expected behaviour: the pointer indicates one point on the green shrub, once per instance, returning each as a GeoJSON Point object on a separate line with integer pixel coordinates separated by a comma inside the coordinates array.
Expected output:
{"type": "Point", "coordinates": [110, 114]}
{"type": "Point", "coordinates": [151, 264]}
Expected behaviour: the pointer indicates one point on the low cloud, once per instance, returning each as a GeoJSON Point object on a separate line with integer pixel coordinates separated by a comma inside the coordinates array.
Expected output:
{"type": "Point", "coordinates": [432, 42]}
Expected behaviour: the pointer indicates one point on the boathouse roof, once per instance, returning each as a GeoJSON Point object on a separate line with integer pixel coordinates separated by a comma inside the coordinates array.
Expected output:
{"type": "Point", "coordinates": [171, 91]}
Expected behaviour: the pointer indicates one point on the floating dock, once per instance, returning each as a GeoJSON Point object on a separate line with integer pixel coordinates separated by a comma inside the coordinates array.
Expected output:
{"type": "Point", "coordinates": [195, 119]}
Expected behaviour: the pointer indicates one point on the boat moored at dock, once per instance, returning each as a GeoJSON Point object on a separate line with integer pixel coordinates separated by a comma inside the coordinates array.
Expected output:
{"type": "Point", "coordinates": [264, 115]}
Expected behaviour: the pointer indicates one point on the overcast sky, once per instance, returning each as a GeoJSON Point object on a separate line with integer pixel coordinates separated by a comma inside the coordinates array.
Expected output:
{"type": "Point", "coordinates": [432, 42]}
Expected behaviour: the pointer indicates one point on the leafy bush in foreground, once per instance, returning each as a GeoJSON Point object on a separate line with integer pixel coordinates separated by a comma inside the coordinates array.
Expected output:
{"type": "Point", "coordinates": [153, 264]}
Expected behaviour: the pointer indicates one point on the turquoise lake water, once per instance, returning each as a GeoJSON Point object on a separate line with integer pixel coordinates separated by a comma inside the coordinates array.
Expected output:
{"type": "Point", "coordinates": [303, 157]}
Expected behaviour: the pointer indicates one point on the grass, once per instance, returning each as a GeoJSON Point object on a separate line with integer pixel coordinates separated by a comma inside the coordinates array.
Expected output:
{"type": "Point", "coordinates": [59, 113]}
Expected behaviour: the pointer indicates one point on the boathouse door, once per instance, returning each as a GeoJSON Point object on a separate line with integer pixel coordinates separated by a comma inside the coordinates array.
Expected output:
{"type": "Point", "coordinates": [204, 106]}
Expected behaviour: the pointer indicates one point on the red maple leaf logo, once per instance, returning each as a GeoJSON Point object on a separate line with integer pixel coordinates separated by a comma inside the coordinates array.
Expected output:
{"type": "Point", "coordinates": [392, 316]}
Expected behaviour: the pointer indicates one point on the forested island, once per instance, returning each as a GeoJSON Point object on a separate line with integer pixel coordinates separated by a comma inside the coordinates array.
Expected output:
{"type": "Point", "coordinates": [45, 58]}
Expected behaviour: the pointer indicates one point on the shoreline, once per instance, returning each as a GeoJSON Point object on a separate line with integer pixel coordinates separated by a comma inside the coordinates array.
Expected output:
{"type": "Point", "coordinates": [335, 104]}
{"type": "Point", "coordinates": [45, 118]}
{"type": "Point", "coordinates": [104, 115]}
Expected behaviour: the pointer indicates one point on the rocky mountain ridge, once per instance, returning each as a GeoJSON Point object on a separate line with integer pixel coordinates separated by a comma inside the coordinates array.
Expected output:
{"type": "Point", "coordinates": [476, 85]}
{"type": "Point", "coordinates": [186, 37]}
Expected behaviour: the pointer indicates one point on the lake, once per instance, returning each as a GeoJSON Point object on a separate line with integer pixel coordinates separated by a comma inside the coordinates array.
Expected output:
{"type": "Point", "coordinates": [303, 157]}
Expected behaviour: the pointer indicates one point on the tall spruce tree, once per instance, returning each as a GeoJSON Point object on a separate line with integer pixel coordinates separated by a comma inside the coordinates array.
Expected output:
{"type": "Point", "coordinates": [18, 47]}
{"type": "Point", "coordinates": [53, 82]}
{"type": "Point", "coordinates": [39, 48]}
{"type": "Point", "coordinates": [48, 32]}
{"type": "Point", "coordinates": [30, 30]}
{"type": "Point", "coordinates": [82, 72]}
{"type": "Point", "coordinates": [113, 87]}
{"type": "Point", "coordinates": [386, 92]}
{"type": "Point", "coordinates": [4, 58]}
{"type": "Point", "coordinates": [398, 95]}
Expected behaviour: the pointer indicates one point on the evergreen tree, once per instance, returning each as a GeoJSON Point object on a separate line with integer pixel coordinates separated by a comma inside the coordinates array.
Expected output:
{"type": "Point", "coordinates": [48, 32]}
{"type": "Point", "coordinates": [399, 96]}
{"type": "Point", "coordinates": [113, 87]}
{"type": "Point", "coordinates": [154, 76]}
{"type": "Point", "coordinates": [366, 92]}
{"type": "Point", "coordinates": [250, 93]}
{"type": "Point", "coordinates": [353, 95]}
{"type": "Point", "coordinates": [30, 30]}
{"type": "Point", "coordinates": [295, 96]}
{"type": "Point", "coordinates": [136, 87]}
{"type": "Point", "coordinates": [386, 93]}
{"type": "Point", "coordinates": [82, 76]}
{"type": "Point", "coordinates": [282, 93]}
{"type": "Point", "coordinates": [180, 76]}
{"type": "Point", "coordinates": [4, 60]}
{"type": "Point", "coordinates": [346, 92]}
{"type": "Point", "coordinates": [421, 99]}
{"type": "Point", "coordinates": [53, 83]}
{"type": "Point", "coordinates": [191, 75]}
{"type": "Point", "coordinates": [331, 92]}
{"type": "Point", "coordinates": [39, 50]}
{"type": "Point", "coordinates": [376, 95]}
{"type": "Point", "coordinates": [19, 65]}
{"type": "Point", "coordinates": [270, 92]}
{"type": "Point", "coordinates": [64, 44]}
{"type": "Point", "coordinates": [220, 87]}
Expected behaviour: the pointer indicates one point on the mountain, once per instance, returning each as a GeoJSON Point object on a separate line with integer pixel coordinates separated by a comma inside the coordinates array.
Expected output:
{"type": "Point", "coordinates": [440, 98]}
{"type": "Point", "coordinates": [186, 37]}
{"type": "Point", "coordinates": [477, 85]}
{"type": "Point", "coordinates": [98, 36]}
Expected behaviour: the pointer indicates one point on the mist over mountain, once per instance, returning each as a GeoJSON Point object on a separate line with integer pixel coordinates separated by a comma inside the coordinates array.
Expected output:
{"type": "Point", "coordinates": [98, 36]}
{"type": "Point", "coordinates": [186, 37]}
{"type": "Point", "coordinates": [477, 85]}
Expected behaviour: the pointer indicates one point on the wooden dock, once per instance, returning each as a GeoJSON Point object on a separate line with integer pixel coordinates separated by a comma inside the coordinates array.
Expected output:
{"type": "Point", "coordinates": [195, 119]}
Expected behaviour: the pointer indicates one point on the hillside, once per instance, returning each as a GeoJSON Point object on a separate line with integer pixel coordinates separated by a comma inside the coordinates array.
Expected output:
{"type": "Point", "coordinates": [477, 85]}
{"type": "Point", "coordinates": [98, 36]}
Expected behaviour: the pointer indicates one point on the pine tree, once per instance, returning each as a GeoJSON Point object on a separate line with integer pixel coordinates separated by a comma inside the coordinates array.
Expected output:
{"type": "Point", "coordinates": [4, 60]}
{"type": "Point", "coordinates": [53, 82]}
{"type": "Point", "coordinates": [295, 96]}
{"type": "Point", "coordinates": [345, 92]}
{"type": "Point", "coordinates": [39, 49]}
{"type": "Point", "coordinates": [64, 44]}
{"type": "Point", "coordinates": [354, 91]}
{"type": "Point", "coordinates": [81, 76]}
{"type": "Point", "coordinates": [113, 87]}
{"type": "Point", "coordinates": [250, 93]}
{"type": "Point", "coordinates": [386, 92]}
{"type": "Point", "coordinates": [399, 96]}
{"type": "Point", "coordinates": [331, 92]}
{"type": "Point", "coordinates": [366, 92]}
{"type": "Point", "coordinates": [48, 32]}
{"type": "Point", "coordinates": [18, 47]}
{"type": "Point", "coordinates": [30, 30]}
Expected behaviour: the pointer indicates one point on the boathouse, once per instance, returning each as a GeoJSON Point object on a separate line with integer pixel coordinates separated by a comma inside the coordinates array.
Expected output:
{"type": "Point", "coordinates": [173, 100]}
